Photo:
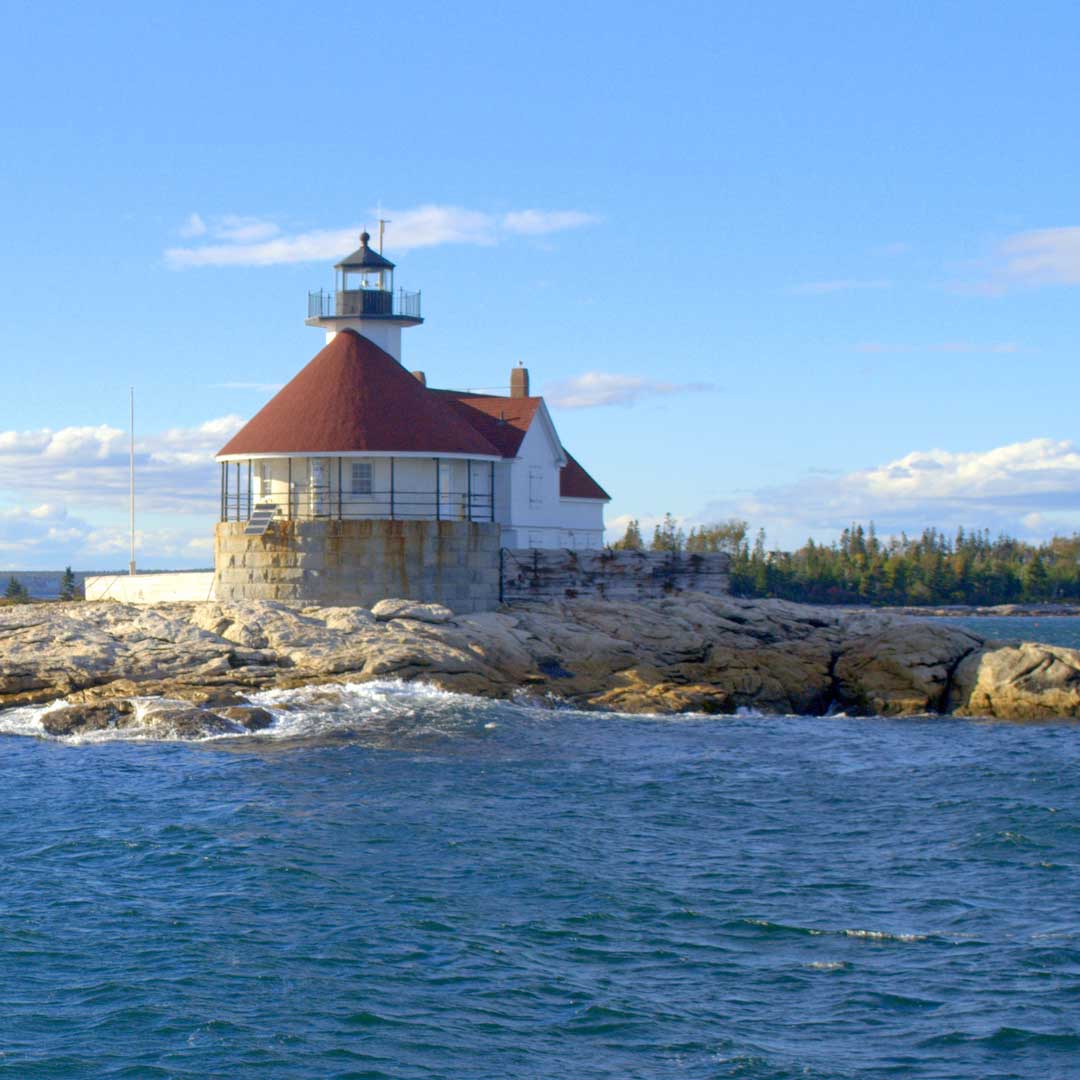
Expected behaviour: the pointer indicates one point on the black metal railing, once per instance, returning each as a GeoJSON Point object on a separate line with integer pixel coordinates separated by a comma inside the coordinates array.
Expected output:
{"type": "Point", "coordinates": [363, 303]}
{"type": "Point", "coordinates": [327, 503]}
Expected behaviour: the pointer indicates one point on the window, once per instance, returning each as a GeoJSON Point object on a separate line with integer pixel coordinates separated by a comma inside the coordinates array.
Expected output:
{"type": "Point", "coordinates": [264, 479]}
{"type": "Point", "coordinates": [536, 485]}
{"type": "Point", "coordinates": [362, 479]}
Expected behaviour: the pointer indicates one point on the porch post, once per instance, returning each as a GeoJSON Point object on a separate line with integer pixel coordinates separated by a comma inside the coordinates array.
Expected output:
{"type": "Point", "coordinates": [238, 491]}
{"type": "Point", "coordinates": [289, 510]}
{"type": "Point", "coordinates": [468, 488]}
{"type": "Point", "coordinates": [438, 493]}
{"type": "Point", "coordinates": [339, 488]}
{"type": "Point", "coordinates": [249, 489]}
{"type": "Point", "coordinates": [493, 491]}
{"type": "Point", "coordinates": [224, 491]}
{"type": "Point", "coordinates": [391, 489]}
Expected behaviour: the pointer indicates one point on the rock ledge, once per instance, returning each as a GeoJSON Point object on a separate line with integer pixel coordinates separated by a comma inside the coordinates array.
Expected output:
{"type": "Point", "coordinates": [692, 652]}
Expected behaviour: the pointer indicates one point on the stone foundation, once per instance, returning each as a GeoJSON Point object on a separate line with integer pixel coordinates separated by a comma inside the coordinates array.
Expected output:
{"type": "Point", "coordinates": [359, 563]}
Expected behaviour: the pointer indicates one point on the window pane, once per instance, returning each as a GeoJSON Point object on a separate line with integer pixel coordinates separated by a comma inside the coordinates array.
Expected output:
{"type": "Point", "coordinates": [362, 478]}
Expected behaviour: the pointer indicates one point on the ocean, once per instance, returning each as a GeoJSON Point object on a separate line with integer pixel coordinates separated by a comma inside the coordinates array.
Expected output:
{"type": "Point", "coordinates": [398, 882]}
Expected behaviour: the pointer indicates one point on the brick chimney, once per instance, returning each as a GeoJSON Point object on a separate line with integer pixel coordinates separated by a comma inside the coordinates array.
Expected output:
{"type": "Point", "coordinates": [519, 381]}
{"type": "Point", "coordinates": [420, 377]}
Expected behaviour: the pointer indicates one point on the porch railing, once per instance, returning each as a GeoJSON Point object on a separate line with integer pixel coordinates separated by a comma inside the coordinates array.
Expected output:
{"type": "Point", "coordinates": [312, 503]}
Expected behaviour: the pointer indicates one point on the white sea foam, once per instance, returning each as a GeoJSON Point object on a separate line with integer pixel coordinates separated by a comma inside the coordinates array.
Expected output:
{"type": "Point", "coordinates": [883, 935]}
{"type": "Point", "coordinates": [385, 711]}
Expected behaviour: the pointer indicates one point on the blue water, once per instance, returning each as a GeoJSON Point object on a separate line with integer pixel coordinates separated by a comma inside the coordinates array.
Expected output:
{"type": "Point", "coordinates": [1050, 629]}
{"type": "Point", "coordinates": [400, 883]}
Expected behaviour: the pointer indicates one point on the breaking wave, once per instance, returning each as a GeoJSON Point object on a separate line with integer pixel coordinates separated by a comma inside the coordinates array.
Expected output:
{"type": "Point", "coordinates": [386, 711]}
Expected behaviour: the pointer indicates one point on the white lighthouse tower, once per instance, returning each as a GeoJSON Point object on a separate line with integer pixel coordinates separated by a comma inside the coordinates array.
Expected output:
{"type": "Point", "coordinates": [364, 300]}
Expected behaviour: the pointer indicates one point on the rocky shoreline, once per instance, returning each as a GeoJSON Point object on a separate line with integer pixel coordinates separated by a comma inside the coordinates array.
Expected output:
{"type": "Point", "coordinates": [197, 663]}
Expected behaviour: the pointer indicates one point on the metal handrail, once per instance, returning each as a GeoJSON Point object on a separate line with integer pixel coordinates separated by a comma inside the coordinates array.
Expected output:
{"type": "Point", "coordinates": [326, 502]}
{"type": "Point", "coordinates": [324, 304]}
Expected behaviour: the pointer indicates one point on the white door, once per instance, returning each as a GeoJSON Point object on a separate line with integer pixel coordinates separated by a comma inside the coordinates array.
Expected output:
{"type": "Point", "coordinates": [319, 488]}
{"type": "Point", "coordinates": [450, 498]}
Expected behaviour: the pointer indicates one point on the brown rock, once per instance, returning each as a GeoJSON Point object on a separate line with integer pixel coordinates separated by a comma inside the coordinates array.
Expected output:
{"type": "Point", "coordinates": [1019, 682]}
{"type": "Point", "coordinates": [250, 716]}
{"type": "Point", "coordinates": [78, 719]}
{"type": "Point", "coordinates": [901, 670]}
{"type": "Point", "coordinates": [168, 721]}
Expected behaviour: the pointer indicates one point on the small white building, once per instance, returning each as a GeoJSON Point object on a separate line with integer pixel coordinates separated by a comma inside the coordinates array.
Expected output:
{"type": "Point", "coordinates": [356, 436]}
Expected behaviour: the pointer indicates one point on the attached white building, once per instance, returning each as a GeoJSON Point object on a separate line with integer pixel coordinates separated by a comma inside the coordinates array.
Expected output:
{"type": "Point", "coordinates": [356, 436]}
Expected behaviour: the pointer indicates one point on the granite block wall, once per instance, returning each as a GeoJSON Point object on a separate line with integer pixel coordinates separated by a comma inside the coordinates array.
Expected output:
{"type": "Point", "coordinates": [455, 563]}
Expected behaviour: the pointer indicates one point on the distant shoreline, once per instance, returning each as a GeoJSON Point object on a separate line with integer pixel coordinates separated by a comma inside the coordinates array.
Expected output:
{"type": "Point", "coordinates": [988, 611]}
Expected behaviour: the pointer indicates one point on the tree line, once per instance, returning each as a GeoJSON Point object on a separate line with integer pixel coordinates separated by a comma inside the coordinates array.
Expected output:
{"type": "Point", "coordinates": [968, 567]}
{"type": "Point", "coordinates": [16, 592]}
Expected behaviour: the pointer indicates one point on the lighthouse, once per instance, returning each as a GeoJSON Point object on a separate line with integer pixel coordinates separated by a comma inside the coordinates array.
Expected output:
{"type": "Point", "coordinates": [363, 300]}
{"type": "Point", "coordinates": [357, 481]}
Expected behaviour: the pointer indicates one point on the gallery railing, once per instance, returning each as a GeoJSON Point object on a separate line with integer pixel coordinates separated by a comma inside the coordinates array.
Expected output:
{"type": "Point", "coordinates": [359, 303]}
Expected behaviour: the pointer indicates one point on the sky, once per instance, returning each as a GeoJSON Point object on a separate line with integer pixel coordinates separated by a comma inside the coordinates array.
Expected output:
{"type": "Point", "coordinates": [798, 264]}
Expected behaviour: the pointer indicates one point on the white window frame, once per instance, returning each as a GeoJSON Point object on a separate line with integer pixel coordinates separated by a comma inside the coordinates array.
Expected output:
{"type": "Point", "coordinates": [357, 485]}
{"type": "Point", "coordinates": [536, 485]}
{"type": "Point", "coordinates": [266, 480]}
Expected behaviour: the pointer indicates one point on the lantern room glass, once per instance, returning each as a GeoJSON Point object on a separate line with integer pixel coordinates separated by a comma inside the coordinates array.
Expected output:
{"type": "Point", "coordinates": [355, 280]}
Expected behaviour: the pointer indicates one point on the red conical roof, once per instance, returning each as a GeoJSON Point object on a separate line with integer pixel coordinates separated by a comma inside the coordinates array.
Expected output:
{"type": "Point", "coordinates": [354, 397]}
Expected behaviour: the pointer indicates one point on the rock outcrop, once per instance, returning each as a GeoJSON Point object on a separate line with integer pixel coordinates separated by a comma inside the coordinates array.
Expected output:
{"type": "Point", "coordinates": [691, 652]}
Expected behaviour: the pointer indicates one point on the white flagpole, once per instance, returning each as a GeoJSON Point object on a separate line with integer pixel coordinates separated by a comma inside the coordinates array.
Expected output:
{"type": "Point", "coordinates": [131, 484]}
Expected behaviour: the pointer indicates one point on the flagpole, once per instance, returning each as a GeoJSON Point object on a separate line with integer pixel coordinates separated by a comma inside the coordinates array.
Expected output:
{"type": "Point", "coordinates": [131, 483]}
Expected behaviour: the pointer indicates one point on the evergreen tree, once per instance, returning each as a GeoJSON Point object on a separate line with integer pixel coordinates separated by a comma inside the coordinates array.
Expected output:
{"type": "Point", "coordinates": [69, 590]}
{"type": "Point", "coordinates": [1036, 580]}
{"type": "Point", "coordinates": [631, 540]}
{"type": "Point", "coordinates": [667, 536]}
{"type": "Point", "coordinates": [16, 590]}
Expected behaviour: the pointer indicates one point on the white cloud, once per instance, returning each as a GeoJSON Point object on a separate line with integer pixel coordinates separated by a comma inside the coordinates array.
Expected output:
{"type": "Point", "coordinates": [245, 230]}
{"type": "Point", "coordinates": [1041, 257]}
{"type": "Point", "coordinates": [72, 489]}
{"type": "Point", "coordinates": [598, 388]}
{"type": "Point", "coordinates": [1029, 488]}
{"type": "Point", "coordinates": [242, 241]}
{"type": "Point", "coordinates": [88, 466]}
{"type": "Point", "coordinates": [540, 222]}
{"type": "Point", "coordinates": [824, 288]}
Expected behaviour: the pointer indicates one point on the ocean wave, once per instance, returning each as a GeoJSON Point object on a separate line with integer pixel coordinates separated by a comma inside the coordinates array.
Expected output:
{"type": "Point", "coordinates": [770, 927]}
{"type": "Point", "coordinates": [884, 935]}
{"type": "Point", "coordinates": [382, 711]}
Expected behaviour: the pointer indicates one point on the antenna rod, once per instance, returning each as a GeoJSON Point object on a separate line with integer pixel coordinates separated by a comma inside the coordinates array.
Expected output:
{"type": "Point", "coordinates": [383, 222]}
{"type": "Point", "coordinates": [131, 484]}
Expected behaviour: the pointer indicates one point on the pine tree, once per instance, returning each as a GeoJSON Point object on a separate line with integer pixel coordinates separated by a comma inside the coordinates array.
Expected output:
{"type": "Point", "coordinates": [667, 536]}
{"type": "Point", "coordinates": [1036, 580]}
{"type": "Point", "coordinates": [631, 541]}
{"type": "Point", "coordinates": [69, 589]}
{"type": "Point", "coordinates": [16, 590]}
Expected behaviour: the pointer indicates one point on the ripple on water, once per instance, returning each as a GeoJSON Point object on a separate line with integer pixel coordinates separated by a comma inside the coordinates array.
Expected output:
{"type": "Point", "coordinates": [394, 881]}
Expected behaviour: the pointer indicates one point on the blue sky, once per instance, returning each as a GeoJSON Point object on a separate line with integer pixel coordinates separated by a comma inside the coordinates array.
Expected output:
{"type": "Point", "coordinates": [799, 264]}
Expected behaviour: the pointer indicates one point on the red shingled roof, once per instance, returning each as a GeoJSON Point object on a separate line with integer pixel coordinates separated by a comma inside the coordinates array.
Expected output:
{"type": "Point", "coordinates": [503, 421]}
{"type": "Point", "coordinates": [353, 396]}
{"type": "Point", "coordinates": [576, 483]}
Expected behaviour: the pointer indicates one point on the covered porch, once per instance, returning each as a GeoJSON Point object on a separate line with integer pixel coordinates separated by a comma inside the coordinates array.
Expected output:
{"type": "Point", "coordinates": [360, 487]}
